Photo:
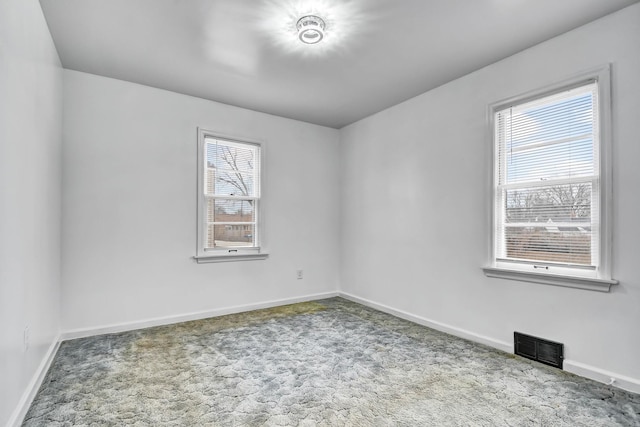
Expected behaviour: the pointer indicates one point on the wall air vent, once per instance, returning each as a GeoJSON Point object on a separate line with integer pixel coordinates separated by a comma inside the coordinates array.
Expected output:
{"type": "Point", "coordinates": [543, 351]}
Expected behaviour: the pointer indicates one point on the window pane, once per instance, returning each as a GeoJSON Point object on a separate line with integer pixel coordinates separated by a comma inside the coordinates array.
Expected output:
{"type": "Point", "coordinates": [231, 169]}
{"type": "Point", "coordinates": [539, 163]}
{"type": "Point", "coordinates": [230, 156]}
{"type": "Point", "coordinates": [566, 203]}
{"type": "Point", "coordinates": [234, 184]}
{"type": "Point", "coordinates": [553, 137]}
{"type": "Point", "coordinates": [230, 210]}
{"type": "Point", "coordinates": [229, 235]}
{"type": "Point", "coordinates": [228, 183]}
{"type": "Point", "coordinates": [550, 223]}
{"type": "Point", "coordinates": [233, 157]}
{"type": "Point", "coordinates": [552, 120]}
{"type": "Point", "coordinates": [571, 245]}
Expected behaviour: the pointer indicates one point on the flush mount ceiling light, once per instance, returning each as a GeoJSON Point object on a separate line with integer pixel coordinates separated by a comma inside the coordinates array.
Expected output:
{"type": "Point", "coordinates": [310, 29]}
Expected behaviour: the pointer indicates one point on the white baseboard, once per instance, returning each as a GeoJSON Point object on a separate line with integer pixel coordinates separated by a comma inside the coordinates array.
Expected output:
{"type": "Point", "coordinates": [462, 333]}
{"type": "Point", "coordinates": [29, 394]}
{"type": "Point", "coordinates": [602, 376]}
{"type": "Point", "coordinates": [168, 320]}
{"type": "Point", "coordinates": [580, 369]}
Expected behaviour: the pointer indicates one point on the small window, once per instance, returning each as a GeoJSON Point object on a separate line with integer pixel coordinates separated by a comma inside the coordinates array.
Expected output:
{"type": "Point", "coordinates": [228, 197]}
{"type": "Point", "coordinates": [551, 183]}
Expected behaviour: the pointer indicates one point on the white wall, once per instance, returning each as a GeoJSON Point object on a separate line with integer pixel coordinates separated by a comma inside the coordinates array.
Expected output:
{"type": "Point", "coordinates": [129, 203]}
{"type": "Point", "coordinates": [30, 144]}
{"type": "Point", "coordinates": [416, 199]}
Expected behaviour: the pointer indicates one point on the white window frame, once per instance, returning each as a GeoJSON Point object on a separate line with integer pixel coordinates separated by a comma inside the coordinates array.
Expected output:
{"type": "Point", "coordinates": [599, 279]}
{"type": "Point", "coordinates": [208, 255]}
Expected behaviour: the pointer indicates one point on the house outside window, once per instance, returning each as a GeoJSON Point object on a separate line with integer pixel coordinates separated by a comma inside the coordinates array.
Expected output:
{"type": "Point", "coordinates": [229, 198]}
{"type": "Point", "coordinates": [551, 185]}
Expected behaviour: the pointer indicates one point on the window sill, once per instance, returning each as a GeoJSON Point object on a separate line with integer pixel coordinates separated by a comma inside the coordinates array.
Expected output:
{"type": "Point", "coordinates": [204, 259]}
{"type": "Point", "coordinates": [591, 284]}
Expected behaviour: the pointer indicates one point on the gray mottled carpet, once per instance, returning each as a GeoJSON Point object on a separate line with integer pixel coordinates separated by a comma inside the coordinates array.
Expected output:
{"type": "Point", "coordinates": [324, 363]}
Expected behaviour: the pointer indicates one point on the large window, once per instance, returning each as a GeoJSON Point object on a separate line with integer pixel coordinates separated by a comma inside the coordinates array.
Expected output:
{"type": "Point", "coordinates": [550, 184]}
{"type": "Point", "coordinates": [228, 197]}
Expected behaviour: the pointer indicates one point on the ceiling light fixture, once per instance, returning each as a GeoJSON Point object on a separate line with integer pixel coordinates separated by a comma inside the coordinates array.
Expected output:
{"type": "Point", "coordinates": [310, 29]}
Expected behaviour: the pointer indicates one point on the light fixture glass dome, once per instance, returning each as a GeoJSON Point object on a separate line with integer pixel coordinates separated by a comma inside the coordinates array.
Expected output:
{"type": "Point", "coordinates": [310, 29]}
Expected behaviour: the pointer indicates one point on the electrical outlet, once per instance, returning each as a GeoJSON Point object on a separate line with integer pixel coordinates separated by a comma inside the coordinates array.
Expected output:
{"type": "Point", "coordinates": [299, 274]}
{"type": "Point", "coordinates": [25, 339]}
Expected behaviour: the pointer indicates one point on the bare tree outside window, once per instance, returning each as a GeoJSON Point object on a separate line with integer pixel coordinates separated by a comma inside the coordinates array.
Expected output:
{"type": "Point", "coordinates": [232, 175]}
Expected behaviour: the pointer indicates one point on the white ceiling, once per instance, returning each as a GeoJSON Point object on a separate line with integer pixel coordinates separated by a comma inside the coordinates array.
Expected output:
{"type": "Point", "coordinates": [376, 53]}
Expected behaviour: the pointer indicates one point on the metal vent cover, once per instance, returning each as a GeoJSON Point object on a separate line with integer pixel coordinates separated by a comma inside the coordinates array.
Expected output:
{"type": "Point", "coordinates": [538, 349]}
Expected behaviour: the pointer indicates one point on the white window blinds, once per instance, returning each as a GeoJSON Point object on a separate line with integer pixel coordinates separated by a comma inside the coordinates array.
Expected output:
{"type": "Point", "coordinates": [547, 180]}
{"type": "Point", "coordinates": [231, 193]}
